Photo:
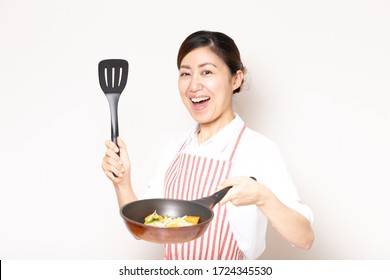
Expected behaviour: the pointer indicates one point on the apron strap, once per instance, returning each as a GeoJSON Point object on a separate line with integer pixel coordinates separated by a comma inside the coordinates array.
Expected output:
{"type": "Point", "coordinates": [237, 142]}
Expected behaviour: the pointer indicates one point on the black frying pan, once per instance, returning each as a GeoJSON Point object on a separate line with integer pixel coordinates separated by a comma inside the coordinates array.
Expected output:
{"type": "Point", "coordinates": [135, 212]}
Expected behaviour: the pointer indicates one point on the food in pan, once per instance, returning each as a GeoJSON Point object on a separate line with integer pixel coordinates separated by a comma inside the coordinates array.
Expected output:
{"type": "Point", "coordinates": [157, 220]}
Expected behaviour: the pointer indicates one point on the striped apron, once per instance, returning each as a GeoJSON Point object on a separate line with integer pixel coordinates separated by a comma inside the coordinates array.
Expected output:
{"type": "Point", "coordinates": [191, 177]}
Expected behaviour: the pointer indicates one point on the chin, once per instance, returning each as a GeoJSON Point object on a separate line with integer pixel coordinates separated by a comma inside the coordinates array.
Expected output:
{"type": "Point", "coordinates": [201, 118]}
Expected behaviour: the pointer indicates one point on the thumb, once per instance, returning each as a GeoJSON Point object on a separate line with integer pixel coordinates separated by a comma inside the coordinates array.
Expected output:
{"type": "Point", "coordinates": [121, 144]}
{"type": "Point", "coordinates": [228, 182]}
{"type": "Point", "coordinates": [123, 152]}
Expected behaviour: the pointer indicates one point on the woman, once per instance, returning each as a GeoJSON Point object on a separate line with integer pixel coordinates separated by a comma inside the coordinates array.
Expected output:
{"type": "Point", "coordinates": [219, 152]}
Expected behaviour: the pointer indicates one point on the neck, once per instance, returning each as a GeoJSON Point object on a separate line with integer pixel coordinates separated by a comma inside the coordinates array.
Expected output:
{"type": "Point", "coordinates": [208, 130]}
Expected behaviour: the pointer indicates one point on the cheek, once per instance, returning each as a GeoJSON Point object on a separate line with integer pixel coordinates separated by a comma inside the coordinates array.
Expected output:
{"type": "Point", "coordinates": [222, 90]}
{"type": "Point", "coordinates": [181, 84]}
{"type": "Point", "coordinates": [218, 86]}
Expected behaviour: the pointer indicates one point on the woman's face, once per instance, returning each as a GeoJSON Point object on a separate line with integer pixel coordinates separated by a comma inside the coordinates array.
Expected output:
{"type": "Point", "coordinates": [206, 86]}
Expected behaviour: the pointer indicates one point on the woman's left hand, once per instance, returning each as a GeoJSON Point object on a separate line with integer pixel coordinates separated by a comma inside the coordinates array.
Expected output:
{"type": "Point", "coordinates": [245, 191]}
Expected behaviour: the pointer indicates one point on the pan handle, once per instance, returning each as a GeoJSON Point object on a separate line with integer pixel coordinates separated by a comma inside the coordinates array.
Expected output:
{"type": "Point", "coordinates": [216, 197]}
{"type": "Point", "coordinates": [210, 201]}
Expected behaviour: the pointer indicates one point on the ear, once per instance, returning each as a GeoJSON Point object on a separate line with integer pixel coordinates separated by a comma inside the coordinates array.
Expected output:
{"type": "Point", "coordinates": [237, 79]}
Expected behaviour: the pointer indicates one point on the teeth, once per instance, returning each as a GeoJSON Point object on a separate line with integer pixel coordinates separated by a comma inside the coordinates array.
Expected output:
{"type": "Point", "coordinates": [199, 99]}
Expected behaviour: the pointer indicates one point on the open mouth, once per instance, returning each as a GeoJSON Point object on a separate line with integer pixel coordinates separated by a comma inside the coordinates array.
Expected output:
{"type": "Point", "coordinates": [199, 100]}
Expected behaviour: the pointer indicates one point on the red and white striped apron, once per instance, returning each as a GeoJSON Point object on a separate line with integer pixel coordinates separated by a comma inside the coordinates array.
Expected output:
{"type": "Point", "coordinates": [191, 177]}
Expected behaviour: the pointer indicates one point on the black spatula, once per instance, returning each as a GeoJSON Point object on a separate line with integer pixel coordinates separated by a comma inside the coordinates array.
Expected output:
{"type": "Point", "coordinates": [112, 79]}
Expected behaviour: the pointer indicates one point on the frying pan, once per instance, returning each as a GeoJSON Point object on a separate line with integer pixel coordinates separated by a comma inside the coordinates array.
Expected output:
{"type": "Point", "coordinates": [134, 214]}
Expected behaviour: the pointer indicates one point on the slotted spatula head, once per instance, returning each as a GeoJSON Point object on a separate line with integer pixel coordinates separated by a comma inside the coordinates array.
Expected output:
{"type": "Point", "coordinates": [113, 75]}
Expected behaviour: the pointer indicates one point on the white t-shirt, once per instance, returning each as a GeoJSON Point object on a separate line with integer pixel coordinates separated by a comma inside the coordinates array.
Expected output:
{"type": "Point", "coordinates": [255, 156]}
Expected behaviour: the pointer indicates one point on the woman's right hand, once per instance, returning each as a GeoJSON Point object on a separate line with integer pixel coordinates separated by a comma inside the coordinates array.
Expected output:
{"type": "Point", "coordinates": [114, 164]}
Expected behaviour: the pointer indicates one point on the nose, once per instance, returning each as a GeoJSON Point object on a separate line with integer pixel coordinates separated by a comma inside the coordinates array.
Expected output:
{"type": "Point", "coordinates": [195, 84]}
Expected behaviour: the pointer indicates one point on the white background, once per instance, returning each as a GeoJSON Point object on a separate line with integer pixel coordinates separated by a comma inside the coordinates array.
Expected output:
{"type": "Point", "coordinates": [318, 84]}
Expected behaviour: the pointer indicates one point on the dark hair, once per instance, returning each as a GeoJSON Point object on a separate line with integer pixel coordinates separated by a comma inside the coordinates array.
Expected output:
{"type": "Point", "coordinates": [219, 43]}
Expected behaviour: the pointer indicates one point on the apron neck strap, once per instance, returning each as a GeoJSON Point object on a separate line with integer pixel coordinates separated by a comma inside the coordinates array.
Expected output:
{"type": "Point", "coordinates": [237, 142]}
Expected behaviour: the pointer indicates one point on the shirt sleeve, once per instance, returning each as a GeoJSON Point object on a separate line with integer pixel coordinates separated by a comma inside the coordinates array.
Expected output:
{"type": "Point", "coordinates": [259, 157]}
{"type": "Point", "coordinates": [276, 177]}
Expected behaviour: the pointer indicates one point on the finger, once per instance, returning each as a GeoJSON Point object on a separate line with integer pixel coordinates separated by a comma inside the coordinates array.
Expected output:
{"type": "Point", "coordinates": [121, 144]}
{"type": "Point", "coordinates": [223, 201]}
{"type": "Point", "coordinates": [111, 145]}
{"type": "Point", "coordinates": [118, 170]}
{"type": "Point", "coordinates": [113, 155]}
{"type": "Point", "coordinates": [234, 181]}
{"type": "Point", "coordinates": [228, 197]}
{"type": "Point", "coordinates": [229, 182]}
{"type": "Point", "coordinates": [115, 162]}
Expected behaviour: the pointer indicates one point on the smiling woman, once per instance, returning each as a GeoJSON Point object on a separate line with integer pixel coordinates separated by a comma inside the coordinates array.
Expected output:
{"type": "Point", "coordinates": [206, 86]}
{"type": "Point", "coordinates": [209, 73]}
{"type": "Point", "coordinates": [219, 152]}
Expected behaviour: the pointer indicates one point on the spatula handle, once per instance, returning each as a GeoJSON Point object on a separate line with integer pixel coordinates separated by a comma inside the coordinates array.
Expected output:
{"type": "Point", "coordinates": [113, 99]}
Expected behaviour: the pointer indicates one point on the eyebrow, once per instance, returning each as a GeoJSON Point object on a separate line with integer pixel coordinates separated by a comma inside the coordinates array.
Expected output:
{"type": "Point", "coordinates": [199, 66]}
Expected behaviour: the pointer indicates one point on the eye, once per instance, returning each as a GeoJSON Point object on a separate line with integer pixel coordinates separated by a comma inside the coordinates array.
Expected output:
{"type": "Point", "coordinates": [184, 74]}
{"type": "Point", "coordinates": [207, 72]}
